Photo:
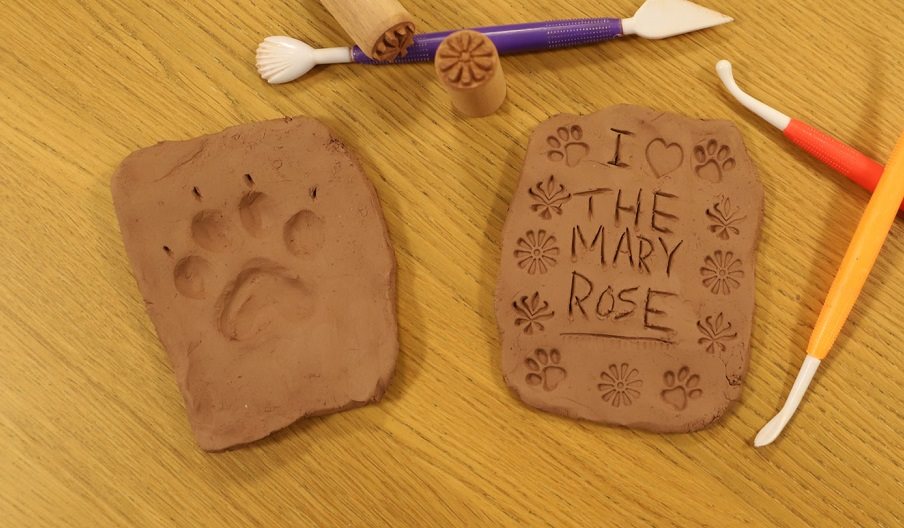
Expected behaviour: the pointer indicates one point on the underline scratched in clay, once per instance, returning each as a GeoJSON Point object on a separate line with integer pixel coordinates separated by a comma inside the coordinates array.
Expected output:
{"type": "Point", "coordinates": [626, 288]}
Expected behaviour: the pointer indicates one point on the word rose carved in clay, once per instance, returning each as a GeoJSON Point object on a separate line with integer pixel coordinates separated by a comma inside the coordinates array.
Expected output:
{"type": "Point", "coordinates": [629, 250]}
{"type": "Point", "coordinates": [263, 258]}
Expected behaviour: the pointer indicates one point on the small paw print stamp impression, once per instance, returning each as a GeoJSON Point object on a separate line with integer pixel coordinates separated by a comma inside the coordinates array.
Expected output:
{"type": "Point", "coordinates": [544, 369]}
{"type": "Point", "coordinates": [633, 266]}
{"type": "Point", "coordinates": [567, 145]}
{"type": "Point", "coordinates": [680, 388]}
{"type": "Point", "coordinates": [537, 252]}
{"type": "Point", "coordinates": [713, 160]}
{"type": "Point", "coordinates": [620, 385]}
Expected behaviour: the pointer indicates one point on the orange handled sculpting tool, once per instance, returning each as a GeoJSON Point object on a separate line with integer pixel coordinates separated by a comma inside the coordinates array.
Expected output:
{"type": "Point", "coordinates": [848, 161]}
{"type": "Point", "coordinates": [874, 227]}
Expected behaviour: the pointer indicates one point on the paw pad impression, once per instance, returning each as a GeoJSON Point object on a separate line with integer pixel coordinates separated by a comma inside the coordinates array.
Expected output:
{"type": "Point", "coordinates": [626, 288]}
{"type": "Point", "coordinates": [264, 260]}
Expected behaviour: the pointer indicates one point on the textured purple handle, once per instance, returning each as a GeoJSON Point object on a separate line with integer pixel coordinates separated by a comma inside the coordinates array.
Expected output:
{"type": "Point", "coordinates": [515, 38]}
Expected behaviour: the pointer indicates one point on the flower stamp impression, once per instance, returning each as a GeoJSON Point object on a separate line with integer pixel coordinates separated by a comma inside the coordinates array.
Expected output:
{"type": "Point", "coordinates": [626, 290]}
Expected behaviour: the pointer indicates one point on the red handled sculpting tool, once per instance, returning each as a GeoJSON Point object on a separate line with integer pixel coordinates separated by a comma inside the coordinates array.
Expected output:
{"type": "Point", "coordinates": [850, 162]}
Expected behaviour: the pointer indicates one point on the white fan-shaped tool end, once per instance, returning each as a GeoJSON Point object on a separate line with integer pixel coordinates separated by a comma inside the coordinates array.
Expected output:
{"type": "Point", "coordinates": [284, 59]}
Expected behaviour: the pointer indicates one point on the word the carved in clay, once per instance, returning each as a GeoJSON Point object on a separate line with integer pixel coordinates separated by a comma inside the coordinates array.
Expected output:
{"type": "Point", "coordinates": [725, 219]}
{"type": "Point", "coordinates": [532, 311]}
{"type": "Point", "coordinates": [722, 272]}
{"type": "Point", "coordinates": [620, 385]}
{"type": "Point", "coordinates": [713, 160]}
{"type": "Point", "coordinates": [537, 252]}
{"type": "Point", "coordinates": [680, 388]}
{"type": "Point", "coordinates": [716, 333]}
{"type": "Point", "coordinates": [549, 198]}
{"type": "Point", "coordinates": [631, 243]}
{"type": "Point", "coordinates": [544, 370]}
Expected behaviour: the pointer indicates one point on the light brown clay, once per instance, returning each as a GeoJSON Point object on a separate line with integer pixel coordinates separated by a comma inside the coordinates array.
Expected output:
{"type": "Point", "coordinates": [468, 66]}
{"type": "Point", "coordinates": [626, 289]}
{"type": "Point", "coordinates": [263, 258]}
{"type": "Point", "coordinates": [383, 29]}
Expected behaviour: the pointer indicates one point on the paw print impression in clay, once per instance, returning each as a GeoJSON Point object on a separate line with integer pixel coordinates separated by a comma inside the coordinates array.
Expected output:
{"type": "Point", "coordinates": [265, 296]}
{"type": "Point", "coordinates": [567, 145]}
{"type": "Point", "coordinates": [264, 261]}
{"type": "Point", "coordinates": [712, 160]}
{"type": "Point", "coordinates": [630, 245]}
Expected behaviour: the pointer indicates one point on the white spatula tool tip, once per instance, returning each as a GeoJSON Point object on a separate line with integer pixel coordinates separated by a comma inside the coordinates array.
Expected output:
{"type": "Point", "coordinates": [776, 425]}
{"type": "Point", "coordinates": [659, 19]}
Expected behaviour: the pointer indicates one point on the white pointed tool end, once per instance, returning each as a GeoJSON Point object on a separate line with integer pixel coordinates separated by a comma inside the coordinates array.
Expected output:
{"type": "Point", "coordinates": [775, 118]}
{"type": "Point", "coordinates": [774, 428]}
{"type": "Point", "coordinates": [659, 19]}
{"type": "Point", "coordinates": [283, 59]}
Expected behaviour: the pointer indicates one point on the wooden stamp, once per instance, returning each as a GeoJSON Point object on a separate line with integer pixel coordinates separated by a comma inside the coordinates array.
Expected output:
{"type": "Point", "coordinates": [468, 66]}
{"type": "Point", "coordinates": [383, 29]}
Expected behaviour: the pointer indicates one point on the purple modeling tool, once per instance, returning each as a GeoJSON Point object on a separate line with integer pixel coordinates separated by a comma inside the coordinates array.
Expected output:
{"type": "Point", "coordinates": [284, 59]}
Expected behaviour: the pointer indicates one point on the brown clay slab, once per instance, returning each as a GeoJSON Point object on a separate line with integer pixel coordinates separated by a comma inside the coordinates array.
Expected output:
{"type": "Point", "coordinates": [263, 258]}
{"type": "Point", "coordinates": [626, 290]}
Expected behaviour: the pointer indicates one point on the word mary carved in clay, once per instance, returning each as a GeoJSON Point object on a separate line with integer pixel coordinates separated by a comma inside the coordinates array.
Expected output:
{"type": "Point", "coordinates": [626, 293]}
{"type": "Point", "coordinates": [264, 260]}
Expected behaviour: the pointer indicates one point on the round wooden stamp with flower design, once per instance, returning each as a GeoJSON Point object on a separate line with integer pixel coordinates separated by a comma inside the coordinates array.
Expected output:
{"type": "Point", "coordinates": [626, 292]}
{"type": "Point", "coordinates": [468, 66]}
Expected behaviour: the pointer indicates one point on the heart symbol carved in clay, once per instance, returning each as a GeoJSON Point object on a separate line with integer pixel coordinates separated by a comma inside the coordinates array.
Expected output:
{"type": "Point", "coordinates": [664, 158]}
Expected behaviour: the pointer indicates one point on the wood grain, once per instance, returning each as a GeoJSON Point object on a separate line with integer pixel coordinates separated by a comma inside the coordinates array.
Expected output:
{"type": "Point", "coordinates": [92, 427]}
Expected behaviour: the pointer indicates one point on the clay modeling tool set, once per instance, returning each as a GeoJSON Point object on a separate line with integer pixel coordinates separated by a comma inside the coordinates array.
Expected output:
{"type": "Point", "coordinates": [861, 256]}
{"type": "Point", "coordinates": [848, 161]}
{"type": "Point", "coordinates": [282, 59]}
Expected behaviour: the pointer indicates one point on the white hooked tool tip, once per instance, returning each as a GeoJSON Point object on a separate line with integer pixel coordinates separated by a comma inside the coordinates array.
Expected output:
{"type": "Point", "coordinates": [284, 59]}
{"type": "Point", "coordinates": [771, 115]}
{"type": "Point", "coordinates": [771, 430]}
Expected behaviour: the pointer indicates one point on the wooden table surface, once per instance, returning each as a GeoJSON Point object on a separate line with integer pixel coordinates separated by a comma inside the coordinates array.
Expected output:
{"type": "Point", "coordinates": [92, 425]}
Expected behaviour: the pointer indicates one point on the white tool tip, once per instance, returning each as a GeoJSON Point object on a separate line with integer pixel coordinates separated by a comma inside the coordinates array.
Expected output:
{"type": "Point", "coordinates": [774, 428]}
{"type": "Point", "coordinates": [659, 19]}
{"type": "Point", "coordinates": [284, 59]}
{"type": "Point", "coordinates": [726, 73]}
